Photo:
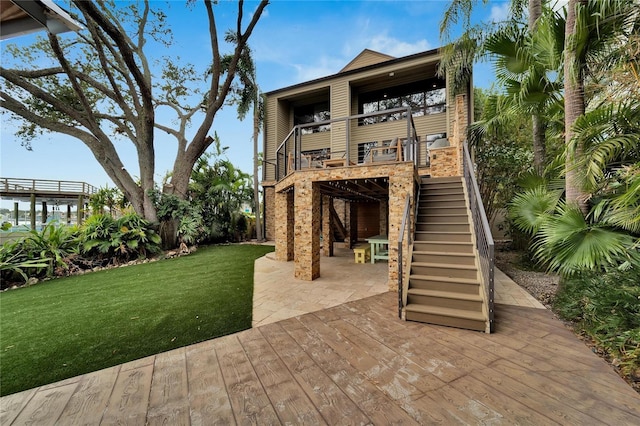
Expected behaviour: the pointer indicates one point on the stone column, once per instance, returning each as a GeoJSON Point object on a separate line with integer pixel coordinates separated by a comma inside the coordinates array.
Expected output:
{"type": "Point", "coordinates": [384, 205]}
{"type": "Point", "coordinates": [400, 185]}
{"type": "Point", "coordinates": [269, 212]}
{"type": "Point", "coordinates": [307, 231]}
{"type": "Point", "coordinates": [284, 222]}
{"type": "Point", "coordinates": [327, 226]}
{"type": "Point", "coordinates": [352, 213]}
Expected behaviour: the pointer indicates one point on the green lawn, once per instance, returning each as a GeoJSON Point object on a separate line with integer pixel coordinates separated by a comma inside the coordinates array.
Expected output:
{"type": "Point", "coordinates": [70, 326]}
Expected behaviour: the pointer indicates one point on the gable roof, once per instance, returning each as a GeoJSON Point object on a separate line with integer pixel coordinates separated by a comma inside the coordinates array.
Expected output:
{"type": "Point", "coordinates": [366, 57]}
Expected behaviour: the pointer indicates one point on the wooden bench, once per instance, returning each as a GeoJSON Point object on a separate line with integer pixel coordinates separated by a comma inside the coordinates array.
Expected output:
{"type": "Point", "coordinates": [362, 253]}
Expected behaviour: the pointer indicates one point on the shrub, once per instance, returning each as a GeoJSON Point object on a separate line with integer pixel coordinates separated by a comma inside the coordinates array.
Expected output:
{"type": "Point", "coordinates": [607, 308]}
{"type": "Point", "coordinates": [126, 238]}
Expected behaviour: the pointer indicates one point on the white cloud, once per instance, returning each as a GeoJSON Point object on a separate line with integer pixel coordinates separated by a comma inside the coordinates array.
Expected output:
{"type": "Point", "coordinates": [499, 13]}
{"type": "Point", "coordinates": [394, 47]}
{"type": "Point", "coordinates": [323, 67]}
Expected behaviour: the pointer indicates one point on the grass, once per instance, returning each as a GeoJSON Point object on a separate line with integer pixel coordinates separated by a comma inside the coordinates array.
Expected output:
{"type": "Point", "coordinates": [71, 326]}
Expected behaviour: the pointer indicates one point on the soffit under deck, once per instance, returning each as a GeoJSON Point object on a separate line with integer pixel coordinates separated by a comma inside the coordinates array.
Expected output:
{"type": "Point", "coordinates": [369, 189]}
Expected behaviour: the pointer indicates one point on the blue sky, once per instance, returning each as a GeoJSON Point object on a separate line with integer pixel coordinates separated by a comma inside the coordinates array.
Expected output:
{"type": "Point", "coordinates": [294, 41]}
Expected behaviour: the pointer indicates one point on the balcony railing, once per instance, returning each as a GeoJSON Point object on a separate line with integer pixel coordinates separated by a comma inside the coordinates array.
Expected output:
{"type": "Point", "coordinates": [292, 143]}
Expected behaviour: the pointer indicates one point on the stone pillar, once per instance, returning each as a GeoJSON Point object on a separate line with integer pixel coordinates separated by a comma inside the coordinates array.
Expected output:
{"type": "Point", "coordinates": [269, 212]}
{"type": "Point", "coordinates": [384, 206]}
{"type": "Point", "coordinates": [16, 212]}
{"type": "Point", "coordinates": [307, 231]}
{"type": "Point", "coordinates": [327, 226]}
{"type": "Point", "coordinates": [284, 223]}
{"type": "Point", "coordinates": [400, 185]}
{"type": "Point", "coordinates": [352, 213]}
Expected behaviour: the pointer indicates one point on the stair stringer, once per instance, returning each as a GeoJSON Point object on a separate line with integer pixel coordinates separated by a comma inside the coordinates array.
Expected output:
{"type": "Point", "coordinates": [483, 285]}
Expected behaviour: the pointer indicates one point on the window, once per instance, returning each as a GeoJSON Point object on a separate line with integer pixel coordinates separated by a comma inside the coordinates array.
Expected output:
{"type": "Point", "coordinates": [312, 113]}
{"type": "Point", "coordinates": [423, 97]}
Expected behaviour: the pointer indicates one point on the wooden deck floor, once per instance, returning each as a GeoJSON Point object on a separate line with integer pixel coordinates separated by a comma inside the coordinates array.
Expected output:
{"type": "Point", "coordinates": [351, 364]}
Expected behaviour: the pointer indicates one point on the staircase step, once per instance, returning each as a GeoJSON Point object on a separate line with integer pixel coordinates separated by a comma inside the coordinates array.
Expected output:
{"type": "Point", "coordinates": [429, 217]}
{"type": "Point", "coordinates": [434, 195]}
{"type": "Point", "coordinates": [430, 282]}
{"type": "Point", "coordinates": [432, 180]}
{"type": "Point", "coordinates": [446, 316]}
{"type": "Point", "coordinates": [443, 236]}
{"type": "Point", "coordinates": [440, 207]}
{"type": "Point", "coordinates": [443, 227]}
{"type": "Point", "coordinates": [444, 270]}
{"type": "Point", "coordinates": [445, 299]}
{"type": "Point", "coordinates": [443, 257]}
{"type": "Point", "coordinates": [447, 246]}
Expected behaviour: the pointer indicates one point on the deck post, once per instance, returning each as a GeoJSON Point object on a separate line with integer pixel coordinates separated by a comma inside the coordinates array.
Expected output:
{"type": "Point", "coordinates": [33, 210]}
{"type": "Point", "coordinates": [80, 218]}
{"type": "Point", "coordinates": [68, 214]}
{"type": "Point", "coordinates": [44, 213]}
{"type": "Point", "coordinates": [16, 212]}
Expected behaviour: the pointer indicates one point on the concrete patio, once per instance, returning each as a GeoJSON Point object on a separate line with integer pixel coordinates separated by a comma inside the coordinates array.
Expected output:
{"type": "Point", "coordinates": [343, 357]}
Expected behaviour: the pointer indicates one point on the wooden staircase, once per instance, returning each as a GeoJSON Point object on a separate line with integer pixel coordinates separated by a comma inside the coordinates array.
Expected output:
{"type": "Point", "coordinates": [444, 285]}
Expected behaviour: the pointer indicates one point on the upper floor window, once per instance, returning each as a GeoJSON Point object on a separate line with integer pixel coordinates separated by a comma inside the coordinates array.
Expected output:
{"type": "Point", "coordinates": [312, 113]}
{"type": "Point", "coordinates": [423, 97]}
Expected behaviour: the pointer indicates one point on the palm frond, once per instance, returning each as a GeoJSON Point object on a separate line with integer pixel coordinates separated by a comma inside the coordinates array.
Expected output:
{"type": "Point", "coordinates": [531, 209]}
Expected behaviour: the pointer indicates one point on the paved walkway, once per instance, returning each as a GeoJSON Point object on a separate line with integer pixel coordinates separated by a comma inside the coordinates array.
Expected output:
{"type": "Point", "coordinates": [333, 351]}
{"type": "Point", "coordinates": [278, 295]}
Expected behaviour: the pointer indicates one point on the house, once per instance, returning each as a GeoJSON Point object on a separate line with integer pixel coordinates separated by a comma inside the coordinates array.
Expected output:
{"type": "Point", "coordinates": [377, 150]}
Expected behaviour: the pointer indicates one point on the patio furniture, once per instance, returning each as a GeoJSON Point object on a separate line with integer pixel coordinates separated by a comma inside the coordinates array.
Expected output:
{"type": "Point", "coordinates": [379, 247]}
{"type": "Point", "coordinates": [385, 153]}
{"type": "Point", "coordinates": [362, 253]}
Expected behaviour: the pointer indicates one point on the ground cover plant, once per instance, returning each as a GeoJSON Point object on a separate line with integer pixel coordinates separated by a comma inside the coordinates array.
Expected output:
{"type": "Point", "coordinates": [606, 307]}
{"type": "Point", "coordinates": [70, 326]}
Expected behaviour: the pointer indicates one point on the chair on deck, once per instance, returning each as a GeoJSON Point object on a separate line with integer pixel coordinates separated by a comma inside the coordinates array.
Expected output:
{"type": "Point", "coordinates": [385, 153]}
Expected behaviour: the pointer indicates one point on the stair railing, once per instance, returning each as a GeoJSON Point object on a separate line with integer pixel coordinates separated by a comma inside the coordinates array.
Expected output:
{"type": "Point", "coordinates": [484, 240]}
{"type": "Point", "coordinates": [405, 219]}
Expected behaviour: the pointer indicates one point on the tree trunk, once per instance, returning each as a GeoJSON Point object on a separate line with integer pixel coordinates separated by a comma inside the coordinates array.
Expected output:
{"type": "Point", "coordinates": [256, 192]}
{"type": "Point", "coordinates": [539, 144]}
{"type": "Point", "coordinates": [573, 105]}
{"type": "Point", "coordinates": [538, 127]}
{"type": "Point", "coordinates": [535, 10]}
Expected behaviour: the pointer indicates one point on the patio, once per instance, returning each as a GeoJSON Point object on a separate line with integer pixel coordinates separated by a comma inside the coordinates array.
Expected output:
{"type": "Point", "coordinates": [354, 362]}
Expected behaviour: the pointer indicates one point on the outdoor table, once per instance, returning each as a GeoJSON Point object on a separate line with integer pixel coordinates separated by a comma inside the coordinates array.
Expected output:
{"type": "Point", "coordinates": [378, 249]}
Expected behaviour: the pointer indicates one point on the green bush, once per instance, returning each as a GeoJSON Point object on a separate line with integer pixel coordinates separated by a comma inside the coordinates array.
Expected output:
{"type": "Point", "coordinates": [606, 306]}
{"type": "Point", "coordinates": [126, 238]}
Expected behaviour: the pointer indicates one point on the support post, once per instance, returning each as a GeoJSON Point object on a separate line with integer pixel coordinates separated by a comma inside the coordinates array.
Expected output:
{"type": "Point", "coordinates": [80, 218]}
{"type": "Point", "coordinates": [16, 212]}
{"type": "Point", "coordinates": [68, 214]}
{"type": "Point", "coordinates": [44, 212]}
{"type": "Point", "coordinates": [33, 211]}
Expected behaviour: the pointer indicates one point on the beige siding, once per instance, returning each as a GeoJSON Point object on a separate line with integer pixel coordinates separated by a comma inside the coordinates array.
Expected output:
{"type": "Point", "coordinates": [366, 58]}
{"type": "Point", "coordinates": [314, 141]}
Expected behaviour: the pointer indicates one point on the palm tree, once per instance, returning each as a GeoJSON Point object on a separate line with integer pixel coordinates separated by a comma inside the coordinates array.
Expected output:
{"type": "Point", "coordinates": [594, 30]}
{"type": "Point", "coordinates": [248, 96]}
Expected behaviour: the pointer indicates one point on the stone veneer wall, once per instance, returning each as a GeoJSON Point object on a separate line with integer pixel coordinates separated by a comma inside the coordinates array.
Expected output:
{"type": "Point", "coordinates": [269, 210]}
{"type": "Point", "coordinates": [307, 212]}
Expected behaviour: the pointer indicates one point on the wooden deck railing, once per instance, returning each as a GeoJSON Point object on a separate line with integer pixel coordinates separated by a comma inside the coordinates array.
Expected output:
{"type": "Point", "coordinates": [28, 186]}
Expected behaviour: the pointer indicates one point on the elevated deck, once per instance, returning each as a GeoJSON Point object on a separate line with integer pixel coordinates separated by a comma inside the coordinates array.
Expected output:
{"type": "Point", "coordinates": [21, 189]}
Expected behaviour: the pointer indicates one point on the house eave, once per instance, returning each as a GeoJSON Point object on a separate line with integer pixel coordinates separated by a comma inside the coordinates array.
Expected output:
{"type": "Point", "coordinates": [394, 61]}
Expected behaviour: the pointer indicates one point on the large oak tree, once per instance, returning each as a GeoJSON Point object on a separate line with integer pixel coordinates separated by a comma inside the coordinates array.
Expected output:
{"type": "Point", "coordinates": [101, 86]}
